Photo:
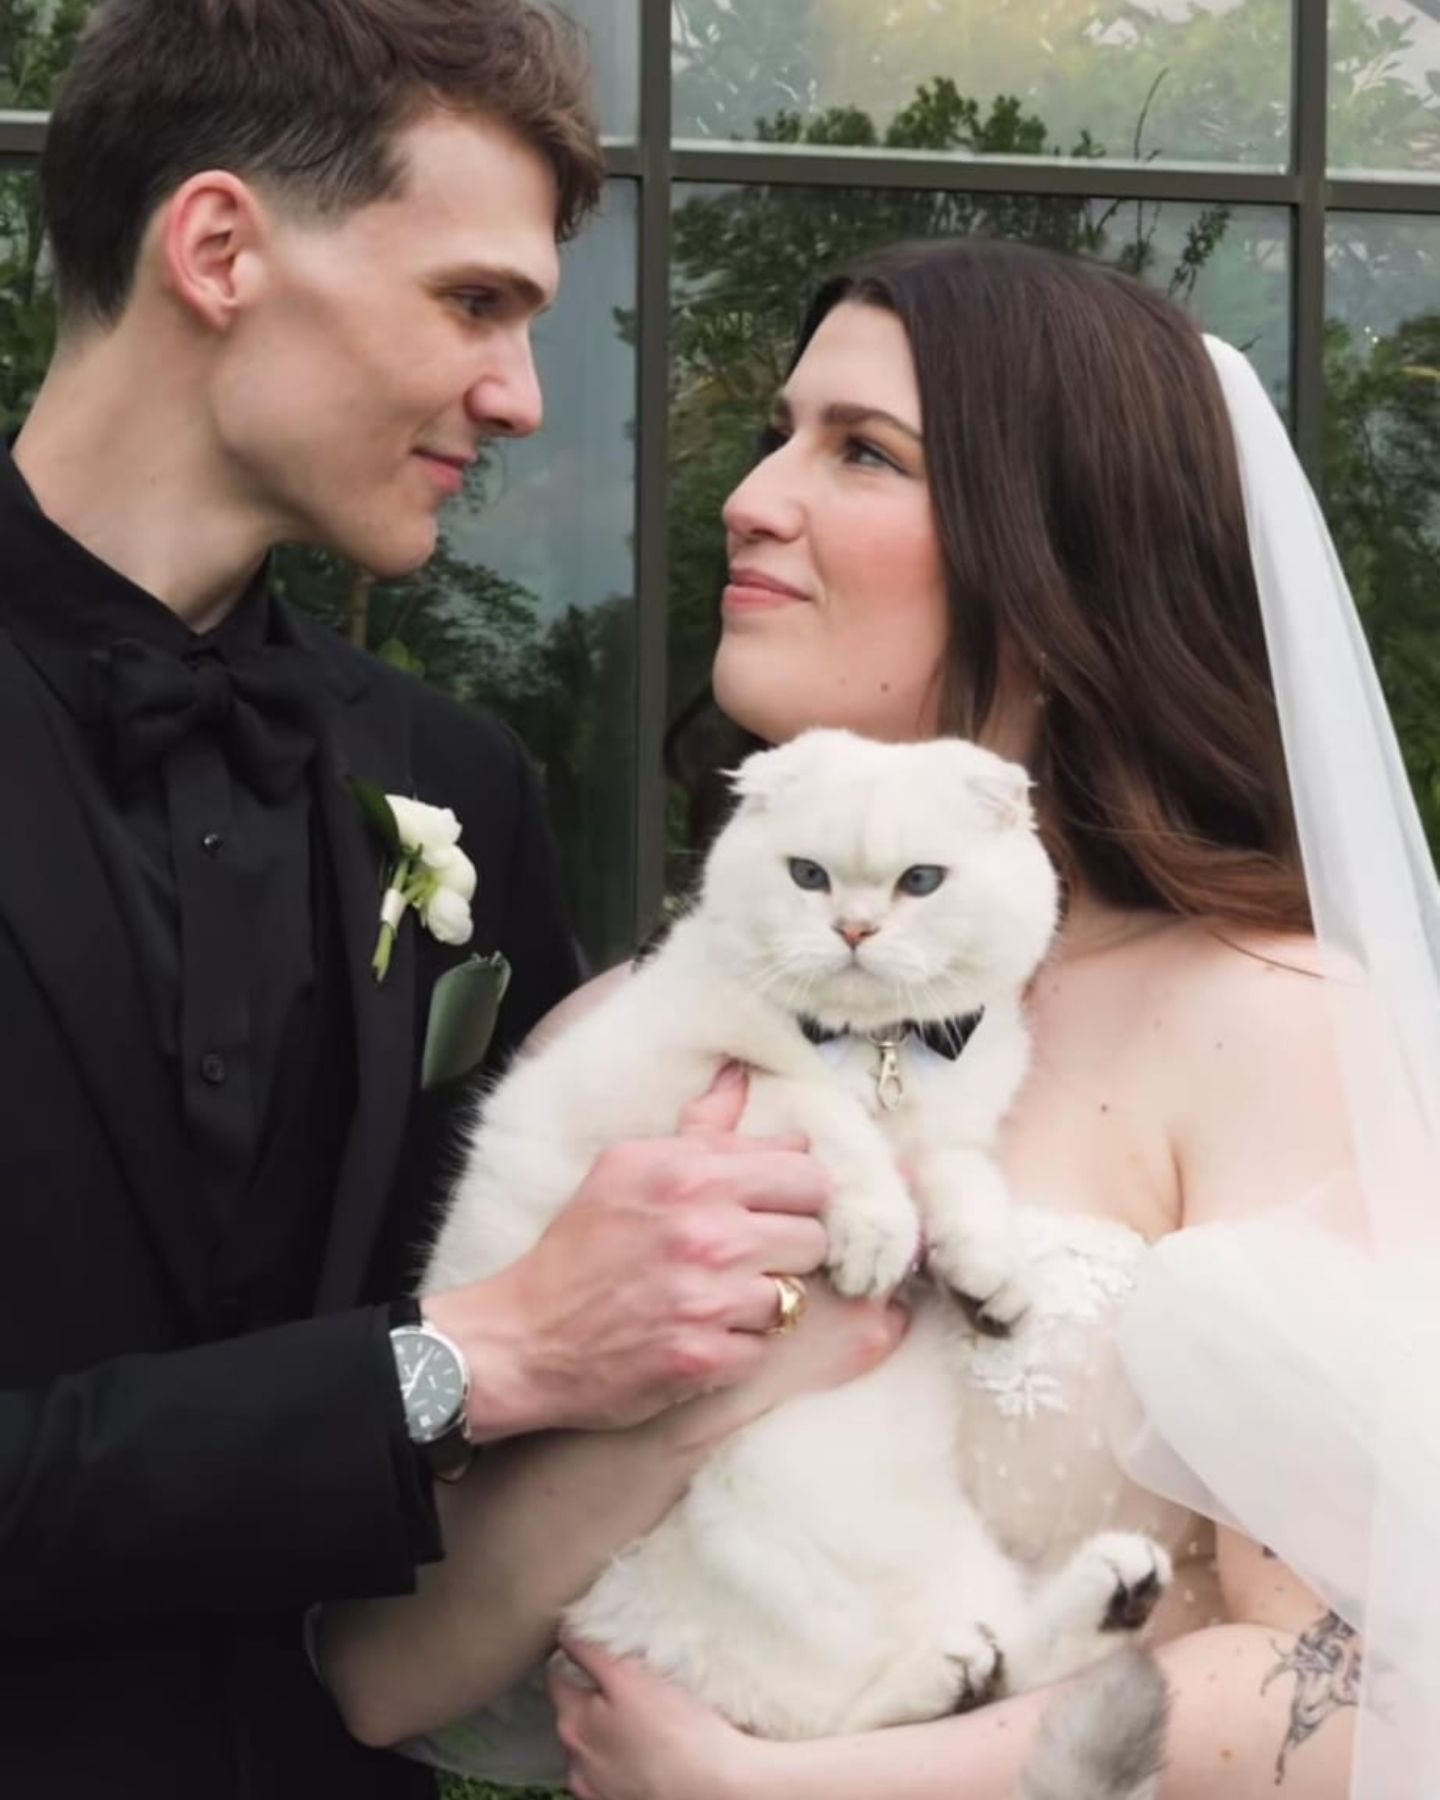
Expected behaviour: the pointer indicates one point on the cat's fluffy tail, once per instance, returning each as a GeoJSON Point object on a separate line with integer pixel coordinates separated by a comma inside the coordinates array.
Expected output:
{"type": "Point", "coordinates": [1104, 1738]}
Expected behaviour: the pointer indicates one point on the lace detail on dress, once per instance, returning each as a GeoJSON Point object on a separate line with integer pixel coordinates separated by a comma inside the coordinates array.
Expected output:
{"type": "Point", "coordinates": [1080, 1269]}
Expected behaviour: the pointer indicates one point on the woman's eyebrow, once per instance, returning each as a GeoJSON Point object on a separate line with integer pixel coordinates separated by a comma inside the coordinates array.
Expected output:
{"type": "Point", "coordinates": [848, 415]}
{"type": "Point", "coordinates": [845, 415]}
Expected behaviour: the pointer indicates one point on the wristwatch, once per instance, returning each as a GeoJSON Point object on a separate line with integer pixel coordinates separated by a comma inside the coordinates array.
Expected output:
{"type": "Point", "coordinates": [434, 1388]}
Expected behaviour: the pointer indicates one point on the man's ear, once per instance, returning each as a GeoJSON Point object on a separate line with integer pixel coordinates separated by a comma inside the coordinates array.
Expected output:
{"type": "Point", "coordinates": [209, 238]}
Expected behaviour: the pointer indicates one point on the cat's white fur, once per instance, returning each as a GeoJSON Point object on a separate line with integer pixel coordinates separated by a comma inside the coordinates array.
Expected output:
{"type": "Point", "coordinates": [826, 1572]}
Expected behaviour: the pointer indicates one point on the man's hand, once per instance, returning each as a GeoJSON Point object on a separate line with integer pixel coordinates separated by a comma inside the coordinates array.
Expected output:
{"type": "Point", "coordinates": [652, 1286]}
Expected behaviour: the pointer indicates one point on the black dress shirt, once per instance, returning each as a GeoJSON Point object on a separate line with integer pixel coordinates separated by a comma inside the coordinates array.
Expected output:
{"type": "Point", "coordinates": [226, 899]}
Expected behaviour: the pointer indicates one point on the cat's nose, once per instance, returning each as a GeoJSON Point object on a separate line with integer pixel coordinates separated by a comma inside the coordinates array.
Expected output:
{"type": "Point", "coordinates": [854, 931]}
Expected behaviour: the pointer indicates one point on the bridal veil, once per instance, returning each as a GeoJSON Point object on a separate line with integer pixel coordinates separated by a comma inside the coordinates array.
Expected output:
{"type": "Point", "coordinates": [1287, 1369]}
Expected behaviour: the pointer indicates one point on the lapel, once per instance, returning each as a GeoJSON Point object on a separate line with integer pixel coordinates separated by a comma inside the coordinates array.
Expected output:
{"type": "Point", "coordinates": [362, 735]}
{"type": "Point", "coordinates": [81, 956]}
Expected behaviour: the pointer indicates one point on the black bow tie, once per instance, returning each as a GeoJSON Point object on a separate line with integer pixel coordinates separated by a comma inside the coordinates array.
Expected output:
{"type": "Point", "coordinates": [259, 706]}
{"type": "Point", "coordinates": [946, 1037]}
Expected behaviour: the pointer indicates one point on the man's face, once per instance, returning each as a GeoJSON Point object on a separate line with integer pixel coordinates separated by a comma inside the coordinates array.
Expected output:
{"type": "Point", "coordinates": [383, 348]}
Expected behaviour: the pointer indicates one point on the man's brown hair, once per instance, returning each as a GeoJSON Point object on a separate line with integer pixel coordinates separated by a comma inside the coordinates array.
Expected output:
{"type": "Point", "coordinates": [305, 95]}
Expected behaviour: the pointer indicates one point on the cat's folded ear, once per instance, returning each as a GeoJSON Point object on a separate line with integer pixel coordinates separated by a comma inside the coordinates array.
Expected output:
{"type": "Point", "coordinates": [1003, 790]}
{"type": "Point", "coordinates": [769, 773]}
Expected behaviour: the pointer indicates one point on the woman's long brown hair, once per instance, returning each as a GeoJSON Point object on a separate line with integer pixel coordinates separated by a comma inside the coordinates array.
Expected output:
{"type": "Point", "coordinates": [1086, 494]}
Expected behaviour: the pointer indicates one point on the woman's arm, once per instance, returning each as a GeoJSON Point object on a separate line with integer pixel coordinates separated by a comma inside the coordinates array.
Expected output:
{"type": "Point", "coordinates": [534, 1523]}
{"type": "Point", "coordinates": [1256, 1707]}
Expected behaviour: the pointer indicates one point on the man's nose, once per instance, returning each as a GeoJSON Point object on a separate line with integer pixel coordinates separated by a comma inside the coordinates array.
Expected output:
{"type": "Point", "coordinates": [506, 401]}
{"type": "Point", "coordinates": [855, 931]}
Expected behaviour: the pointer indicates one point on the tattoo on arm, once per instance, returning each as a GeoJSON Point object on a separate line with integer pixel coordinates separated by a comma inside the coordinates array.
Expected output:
{"type": "Point", "coordinates": [1325, 1661]}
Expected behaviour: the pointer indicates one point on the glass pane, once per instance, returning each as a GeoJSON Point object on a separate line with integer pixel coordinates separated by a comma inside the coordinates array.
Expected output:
{"type": "Point", "coordinates": [528, 605]}
{"type": "Point", "coordinates": [1384, 86]}
{"type": "Point", "coordinates": [36, 43]}
{"type": "Point", "coordinates": [1382, 464]}
{"type": "Point", "coordinates": [1171, 80]}
{"type": "Point", "coordinates": [27, 313]}
{"type": "Point", "coordinates": [745, 258]}
{"type": "Point", "coordinates": [613, 30]}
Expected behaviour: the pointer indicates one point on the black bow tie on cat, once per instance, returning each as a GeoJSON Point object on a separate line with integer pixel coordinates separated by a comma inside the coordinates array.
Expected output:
{"type": "Point", "coordinates": [946, 1037]}
{"type": "Point", "coordinates": [259, 706]}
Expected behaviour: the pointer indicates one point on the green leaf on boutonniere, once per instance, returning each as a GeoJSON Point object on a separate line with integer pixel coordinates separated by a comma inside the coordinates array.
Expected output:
{"type": "Point", "coordinates": [376, 809]}
{"type": "Point", "coordinates": [464, 1007]}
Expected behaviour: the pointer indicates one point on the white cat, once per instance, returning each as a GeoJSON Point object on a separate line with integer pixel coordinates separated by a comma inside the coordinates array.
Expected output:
{"type": "Point", "coordinates": [826, 1572]}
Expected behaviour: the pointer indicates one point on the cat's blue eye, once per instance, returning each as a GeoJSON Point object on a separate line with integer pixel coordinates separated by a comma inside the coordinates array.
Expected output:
{"type": "Point", "coordinates": [809, 875]}
{"type": "Point", "coordinates": [923, 879]}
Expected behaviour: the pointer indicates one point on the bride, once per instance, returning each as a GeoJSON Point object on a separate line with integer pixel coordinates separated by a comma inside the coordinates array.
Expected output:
{"type": "Point", "coordinates": [1018, 497]}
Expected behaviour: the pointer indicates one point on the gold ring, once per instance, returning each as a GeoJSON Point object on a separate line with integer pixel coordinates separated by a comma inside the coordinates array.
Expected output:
{"type": "Point", "coordinates": [790, 1299]}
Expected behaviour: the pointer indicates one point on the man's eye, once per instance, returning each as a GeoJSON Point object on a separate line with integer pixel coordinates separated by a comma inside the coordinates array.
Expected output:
{"type": "Point", "coordinates": [809, 875]}
{"type": "Point", "coordinates": [479, 303]}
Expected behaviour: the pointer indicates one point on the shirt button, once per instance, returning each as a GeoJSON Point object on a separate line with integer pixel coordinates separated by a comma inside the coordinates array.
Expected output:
{"type": "Point", "coordinates": [212, 1069]}
{"type": "Point", "coordinates": [212, 843]}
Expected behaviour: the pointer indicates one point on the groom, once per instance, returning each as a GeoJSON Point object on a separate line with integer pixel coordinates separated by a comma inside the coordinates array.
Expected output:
{"type": "Point", "coordinates": [299, 245]}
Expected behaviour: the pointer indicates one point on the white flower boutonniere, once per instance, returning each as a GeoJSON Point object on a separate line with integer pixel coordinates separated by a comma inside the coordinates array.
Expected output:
{"type": "Point", "coordinates": [430, 872]}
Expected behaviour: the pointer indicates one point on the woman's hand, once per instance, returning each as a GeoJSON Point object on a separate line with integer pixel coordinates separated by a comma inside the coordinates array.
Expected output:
{"type": "Point", "coordinates": [632, 1736]}
{"type": "Point", "coordinates": [836, 1341]}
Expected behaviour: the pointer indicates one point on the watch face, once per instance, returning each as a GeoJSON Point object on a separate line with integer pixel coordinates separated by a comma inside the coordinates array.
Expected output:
{"type": "Point", "coordinates": [432, 1383]}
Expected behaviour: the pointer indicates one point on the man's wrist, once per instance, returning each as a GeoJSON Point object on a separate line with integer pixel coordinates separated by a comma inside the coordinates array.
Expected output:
{"type": "Point", "coordinates": [485, 1322]}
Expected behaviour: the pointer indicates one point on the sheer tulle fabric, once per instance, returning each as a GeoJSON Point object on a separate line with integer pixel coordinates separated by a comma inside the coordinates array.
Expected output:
{"type": "Point", "coordinates": [1285, 1369]}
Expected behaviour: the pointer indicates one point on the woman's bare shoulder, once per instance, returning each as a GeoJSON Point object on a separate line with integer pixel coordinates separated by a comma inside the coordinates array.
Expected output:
{"type": "Point", "coordinates": [577, 1006]}
{"type": "Point", "coordinates": [1256, 1090]}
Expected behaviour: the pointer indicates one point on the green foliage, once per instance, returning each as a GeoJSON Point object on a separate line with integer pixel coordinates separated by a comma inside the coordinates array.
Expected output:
{"type": "Point", "coordinates": [1382, 454]}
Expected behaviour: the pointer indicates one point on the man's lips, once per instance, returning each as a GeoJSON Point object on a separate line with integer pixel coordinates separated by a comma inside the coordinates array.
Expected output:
{"type": "Point", "coordinates": [449, 471]}
{"type": "Point", "coordinates": [752, 588]}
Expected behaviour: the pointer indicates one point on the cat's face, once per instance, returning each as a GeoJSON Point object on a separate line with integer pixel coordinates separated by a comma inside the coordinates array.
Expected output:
{"type": "Point", "coordinates": [861, 883]}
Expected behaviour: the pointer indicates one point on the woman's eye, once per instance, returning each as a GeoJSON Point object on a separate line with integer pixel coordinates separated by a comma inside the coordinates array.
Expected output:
{"type": "Point", "coordinates": [809, 875]}
{"type": "Point", "coordinates": [771, 439]}
{"type": "Point", "coordinates": [923, 879]}
{"type": "Point", "coordinates": [868, 456]}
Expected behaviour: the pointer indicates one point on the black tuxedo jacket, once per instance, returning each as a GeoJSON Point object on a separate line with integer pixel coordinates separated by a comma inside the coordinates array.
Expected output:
{"type": "Point", "coordinates": [176, 1485]}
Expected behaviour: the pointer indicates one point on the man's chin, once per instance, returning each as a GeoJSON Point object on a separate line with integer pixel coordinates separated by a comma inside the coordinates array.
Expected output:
{"type": "Point", "coordinates": [391, 557]}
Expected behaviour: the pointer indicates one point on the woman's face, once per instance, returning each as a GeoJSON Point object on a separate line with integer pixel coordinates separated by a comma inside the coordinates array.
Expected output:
{"type": "Point", "coordinates": [835, 613]}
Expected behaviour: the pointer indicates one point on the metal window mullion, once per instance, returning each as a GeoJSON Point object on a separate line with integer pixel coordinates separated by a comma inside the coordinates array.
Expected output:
{"type": "Point", "coordinates": [1310, 103]}
{"type": "Point", "coordinates": [22, 134]}
{"type": "Point", "coordinates": [1100, 178]}
{"type": "Point", "coordinates": [651, 460]}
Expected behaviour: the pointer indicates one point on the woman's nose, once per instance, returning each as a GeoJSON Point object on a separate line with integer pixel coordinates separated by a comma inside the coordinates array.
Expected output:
{"type": "Point", "coordinates": [766, 503]}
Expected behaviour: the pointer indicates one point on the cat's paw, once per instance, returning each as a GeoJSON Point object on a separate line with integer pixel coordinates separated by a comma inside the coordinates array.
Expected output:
{"type": "Point", "coordinates": [985, 1279]}
{"type": "Point", "coordinates": [978, 1664]}
{"type": "Point", "coordinates": [874, 1243]}
{"type": "Point", "coordinates": [1126, 1573]}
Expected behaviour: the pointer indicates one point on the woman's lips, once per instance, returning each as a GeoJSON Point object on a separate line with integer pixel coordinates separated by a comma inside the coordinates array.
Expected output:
{"type": "Point", "coordinates": [750, 591]}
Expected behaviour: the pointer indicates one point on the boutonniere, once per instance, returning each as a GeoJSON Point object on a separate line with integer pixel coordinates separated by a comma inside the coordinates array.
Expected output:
{"type": "Point", "coordinates": [428, 871]}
